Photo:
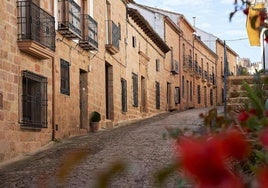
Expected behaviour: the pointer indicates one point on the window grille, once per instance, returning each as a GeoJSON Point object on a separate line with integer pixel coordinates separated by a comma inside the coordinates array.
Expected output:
{"type": "Point", "coordinates": [34, 100]}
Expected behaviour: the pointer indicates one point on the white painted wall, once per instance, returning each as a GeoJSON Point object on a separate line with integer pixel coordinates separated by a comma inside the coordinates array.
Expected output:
{"type": "Point", "coordinates": [155, 19]}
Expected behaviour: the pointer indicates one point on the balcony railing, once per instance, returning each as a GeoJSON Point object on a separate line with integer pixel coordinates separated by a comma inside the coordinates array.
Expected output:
{"type": "Point", "coordinates": [175, 67]}
{"type": "Point", "coordinates": [205, 76]}
{"type": "Point", "coordinates": [69, 24]}
{"type": "Point", "coordinates": [36, 29]}
{"type": "Point", "coordinates": [113, 33]}
{"type": "Point", "coordinates": [89, 39]}
{"type": "Point", "coordinates": [190, 61]}
{"type": "Point", "coordinates": [200, 70]}
{"type": "Point", "coordinates": [196, 67]}
{"type": "Point", "coordinates": [187, 63]}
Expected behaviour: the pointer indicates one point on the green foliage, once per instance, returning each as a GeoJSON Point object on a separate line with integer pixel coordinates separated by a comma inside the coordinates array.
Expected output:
{"type": "Point", "coordinates": [95, 116]}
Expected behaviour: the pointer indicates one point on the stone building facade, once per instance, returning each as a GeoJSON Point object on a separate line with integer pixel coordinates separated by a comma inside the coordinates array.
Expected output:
{"type": "Point", "coordinates": [61, 60]}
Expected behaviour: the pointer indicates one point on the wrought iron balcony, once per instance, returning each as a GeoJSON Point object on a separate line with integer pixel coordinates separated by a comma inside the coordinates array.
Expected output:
{"type": "Point", "coordinates": [69, 24]}
{"type": "Point", "coordinates": [190, 61]}
{"type": "Point", "coordinates": [89, 39]}
{"type": "Point", "coordinates": [196, 67]}
{"type": "Point", "coordinates": [113, 33]}
{"type": "Point", "coordinates": [200, 70]}
{"type": "Point", "coordinates": [175, 67]}
{"type": "Point", "coordinates": [187, 63]}
{"type": "Point", "coordinates": [36, 30]}
{"type": "Point", "coordinates": [211, 78]}
{"type": "Point", "coordinates": [197, 70]}
{"type": "Point", "coordinates": [205, 76]}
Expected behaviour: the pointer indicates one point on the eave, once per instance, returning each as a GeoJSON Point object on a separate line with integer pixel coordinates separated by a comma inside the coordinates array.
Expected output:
{"type": "Point", "coordinates": [148, 30]}
{"type": "Point", "coordinates": [173, 25]}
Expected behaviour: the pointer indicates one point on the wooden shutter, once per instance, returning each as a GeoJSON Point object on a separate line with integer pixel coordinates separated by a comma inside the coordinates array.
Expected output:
{"type": "Point", "coordinates": [157, 95]}
{"type": "Point", "coordinates": [135, 89]}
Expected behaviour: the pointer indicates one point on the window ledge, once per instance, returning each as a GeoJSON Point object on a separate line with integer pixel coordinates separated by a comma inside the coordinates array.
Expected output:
{"type": "Point", "coordinates": [35, 49]}
{"type": "Point", "coordinates": [112, 49]}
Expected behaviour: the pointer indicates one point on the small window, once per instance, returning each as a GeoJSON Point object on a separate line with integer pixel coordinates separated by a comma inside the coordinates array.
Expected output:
{"type": "Point", "coordinates": [135, 89]}
{"type": "Point", "coordinates": [119, 30]}
{"type": "Point", "coordinates": [177, 96]}
{"type": "Point", "coordinates": [134, 42]}
{"type": "Point", "coordinates": [157, 95]}
{"type": "Point", "coordinates": [157, 65]}
{"type": "Point", "coordinates": [124, 94]}
{"type": "Point", "coordinates": [65, 77]}
{"type": "Point", "coordinates": [34, 100]}
{"type": "Point", "coordinates": [191, 91]}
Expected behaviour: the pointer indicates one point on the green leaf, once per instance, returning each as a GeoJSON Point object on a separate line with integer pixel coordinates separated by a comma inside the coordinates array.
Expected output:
{"type": "Point", "coordinates": [254, 98]}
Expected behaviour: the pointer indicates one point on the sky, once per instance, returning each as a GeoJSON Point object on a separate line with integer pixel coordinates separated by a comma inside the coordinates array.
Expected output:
{"type": "Point", "coordinates": [212, 16]}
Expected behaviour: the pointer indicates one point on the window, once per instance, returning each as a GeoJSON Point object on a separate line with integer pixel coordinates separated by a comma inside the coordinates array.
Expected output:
{"type": "Point", "coordinates": [157, 95]}
{"type": "Point", "coordinates": [177, 95]}
{"type": "Point", "coordinates": [157, 65]}
{"type": "Point", "coordinates": [135, 89]}
{"type": "Point", "coordinates": [222, 96]}
{"type": "Point", "coordinates": [191, 91]}
{"type": "Point", "coordinates": [183, 86]}
{"type": "Point", "coordinates": [211, 97]}
{"type": "Point", "coordinates": [65, 77]}
{"type": "Point", "coordinates": [124, 94]}
{"type": "Point", "coordinates": [34, 100]}
{"type": "Point", "coordinates": [133, 41]}
{"type": "Point", "coordinates": [198, 94]}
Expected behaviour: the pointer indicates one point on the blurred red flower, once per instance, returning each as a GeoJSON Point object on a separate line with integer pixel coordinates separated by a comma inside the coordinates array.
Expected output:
{"type": "Point", "coordinates": [235, 144]}
{"type": "Point", "coordinates": [204, 160]}
{"type": "Point", "coordinates": [243, 116]}
{"type": "Point", "coordinates": [264, 137]}
{"type": "Point", "coordinates": [262, 177]}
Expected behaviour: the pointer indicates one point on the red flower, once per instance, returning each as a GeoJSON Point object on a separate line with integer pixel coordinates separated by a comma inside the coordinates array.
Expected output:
{"type": "Point", "coordinates": [264, 137]}
{"type": "Point", "coordinates": [253, 111]}
{"type": "Point", "coordinates": [262, 177]}
{"type": "Point", "coordinates": [266, 112]}
{"type": "Point", "coordinates": [243, 116]}
{"type": "Point", "coordinates": [235, 144]}
{"type": "Point", "coordinates": [204, 160]}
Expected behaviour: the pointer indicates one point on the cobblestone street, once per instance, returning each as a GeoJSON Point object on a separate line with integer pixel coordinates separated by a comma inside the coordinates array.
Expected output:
{"type": "Point", "coordinates": [140, 144]}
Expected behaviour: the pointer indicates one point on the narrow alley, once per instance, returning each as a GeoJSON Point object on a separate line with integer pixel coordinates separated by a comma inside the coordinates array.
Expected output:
{"type": "Point", "coordinates": [76, 162]}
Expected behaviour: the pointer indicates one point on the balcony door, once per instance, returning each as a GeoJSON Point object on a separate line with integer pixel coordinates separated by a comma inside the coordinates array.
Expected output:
{"type": "Point", "coordinates": [143, 95]}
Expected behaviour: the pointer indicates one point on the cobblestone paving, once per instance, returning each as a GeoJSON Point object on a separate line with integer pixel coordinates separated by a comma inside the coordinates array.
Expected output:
{"type": "Point", "coordinates": [141, 145]}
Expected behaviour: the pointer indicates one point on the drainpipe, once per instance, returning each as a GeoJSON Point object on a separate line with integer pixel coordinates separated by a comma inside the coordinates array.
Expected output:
{"type": "Point", "coordinates": [53, 100]}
